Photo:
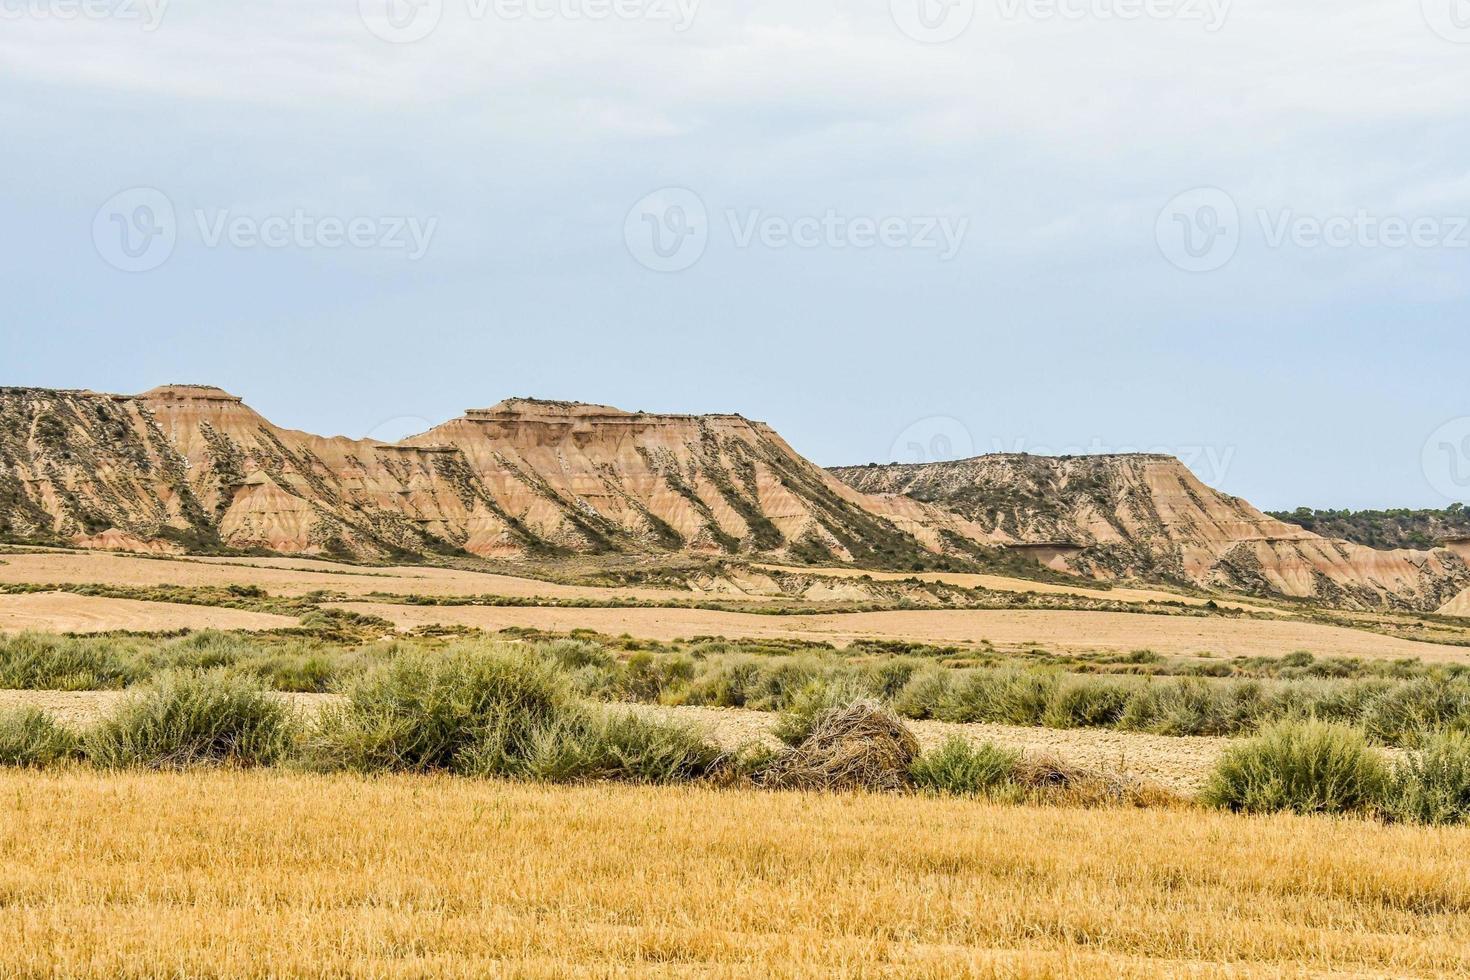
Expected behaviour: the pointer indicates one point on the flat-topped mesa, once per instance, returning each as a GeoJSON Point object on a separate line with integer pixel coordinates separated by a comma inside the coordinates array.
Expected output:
{"type": "Point", "coordinates": [564, 413]}
{"type": "Point", "coordinates": [202, 393]}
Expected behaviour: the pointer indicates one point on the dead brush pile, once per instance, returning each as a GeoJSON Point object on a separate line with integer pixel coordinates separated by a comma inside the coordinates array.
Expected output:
{"type": "Point", "coordinates": [857, 746]}
{"type": "Point", "coordinates": [1047, 779]}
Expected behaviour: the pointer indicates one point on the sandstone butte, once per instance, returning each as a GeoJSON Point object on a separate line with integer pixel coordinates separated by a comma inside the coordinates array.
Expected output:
{"type": "Point", "coordinates": [191, 468]}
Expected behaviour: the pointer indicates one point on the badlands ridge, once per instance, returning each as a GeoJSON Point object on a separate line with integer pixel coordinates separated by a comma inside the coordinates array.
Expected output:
{"type": "Point", "coordinates": [193, 469]}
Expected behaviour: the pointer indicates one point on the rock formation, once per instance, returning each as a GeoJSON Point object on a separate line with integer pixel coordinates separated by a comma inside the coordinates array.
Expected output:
{"type": "Point", "coordinates": [1148, 517]}
{"type": "Point", "coordinates": [186, 468]}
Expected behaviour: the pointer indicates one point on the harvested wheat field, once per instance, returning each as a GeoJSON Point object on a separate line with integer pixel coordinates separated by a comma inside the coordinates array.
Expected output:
{"type": "Point", "coordinates": [1056, 630]}
{"type": "Point", "coordinates": [1003, 583]}
{"type": "Point", "coordinates": [289, 576]}
{"type": "Point", "coordinates": [62, 612]}
{"type": "Point", "coordinates": [232, 873]}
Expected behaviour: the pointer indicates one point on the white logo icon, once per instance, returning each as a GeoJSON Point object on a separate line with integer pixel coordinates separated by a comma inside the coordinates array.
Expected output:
{"type": "Point", "coordinates": [401, 21]}
{"type": "Point", "coordinates": [1446, 459]}
{"type": "Point", "coordinates": [136, 229]}
{"type": "Point", "coordinates": [1199, 231]}
{"type": "Point", "coordinates": [932, 21]}
{"type": "Point", "coordinates": [1450, 19]}
{"type": "Point", "coordinates": [668, 230]}
{"type": "Point", "coordinates": [931, 440]}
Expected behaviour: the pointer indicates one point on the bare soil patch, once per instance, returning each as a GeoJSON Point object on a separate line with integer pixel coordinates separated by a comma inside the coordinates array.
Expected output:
{"type": "Point", "coordinates": [62, 612]}
{"type": "Point", "coordinates": [1060, 631]}
{"type": "Point", "coordinates": [291, 577]}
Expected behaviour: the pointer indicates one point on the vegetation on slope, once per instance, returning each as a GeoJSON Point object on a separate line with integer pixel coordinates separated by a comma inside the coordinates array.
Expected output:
{"type": "Point", "coordinates": [1384, 529]}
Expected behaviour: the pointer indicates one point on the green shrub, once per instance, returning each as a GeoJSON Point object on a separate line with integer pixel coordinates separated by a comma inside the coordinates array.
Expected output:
{"type": "Point", "coordinates": [1432, 783]}
{"type": "Point", "coordinates": [1405, 711]}
{"type": "Point", "coordinates": [621, 746]}
{"type": "Point", "coordinates": [924, 694]}
{"type": "Point", "coordinates": [813, 703]}
{"type": "Point", "coordinates": [29, 737]}
{"type": "Point", "coordinates": [646, 677]}
{"type": "Point", "coordinates": [37, 661]}
{"type": "Point", "coordinates": [187, 719]}
{"type": "Point", "coordinates": [1304, 767]}
{"type": "Point", "coordinates": [1086, 704]}
{"type": "Point", "coordinates": [960, 768]}
{"type": "Point", "coordinates": [420, 711]}
{"type": "Point", "coordinates": [1007, 697]}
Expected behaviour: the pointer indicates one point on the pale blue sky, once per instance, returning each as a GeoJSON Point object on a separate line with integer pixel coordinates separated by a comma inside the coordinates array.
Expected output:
{"type": "Point", "coordinates": [1294, 373]}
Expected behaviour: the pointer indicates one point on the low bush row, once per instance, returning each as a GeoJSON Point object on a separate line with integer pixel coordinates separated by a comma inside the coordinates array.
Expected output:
{"type": "Point", "coordinates": [513, 712]}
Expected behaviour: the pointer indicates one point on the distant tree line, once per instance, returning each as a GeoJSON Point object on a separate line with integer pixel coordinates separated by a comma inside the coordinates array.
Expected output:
{"type": "Point", "coordinates": [1399, 528]}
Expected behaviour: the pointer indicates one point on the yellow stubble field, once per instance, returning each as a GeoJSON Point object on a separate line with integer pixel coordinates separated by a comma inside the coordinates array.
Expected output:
{"type": "Point", "coordinates": [275, 873]}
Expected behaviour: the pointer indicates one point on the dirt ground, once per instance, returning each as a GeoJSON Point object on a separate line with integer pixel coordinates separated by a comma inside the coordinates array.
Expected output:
{"type": "Point", "coordinates": [62, 612]}
{"type": "Point", "coordinates": [1055, 630]}
{"type": "Point", "coordinates": [1180, 764]}
{"type": "Point", "coordinates": [1002, 583]}
{"type": "Point", "coordinates": [288, 576]}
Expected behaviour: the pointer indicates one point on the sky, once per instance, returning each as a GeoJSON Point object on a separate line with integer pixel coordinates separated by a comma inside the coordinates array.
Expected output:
{"type": "Point", "coordinates": [1238, 232]}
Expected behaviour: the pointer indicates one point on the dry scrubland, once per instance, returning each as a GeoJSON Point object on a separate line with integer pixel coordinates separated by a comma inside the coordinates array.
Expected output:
{"type": "Point", "coordinates": [228, 873]}
{"type": "Point", "coordinates": [1061, 631]}
{"type": "Point", "coordinates": [1174, 762]}
{"type": "Point", "coordinates": [222, 871]}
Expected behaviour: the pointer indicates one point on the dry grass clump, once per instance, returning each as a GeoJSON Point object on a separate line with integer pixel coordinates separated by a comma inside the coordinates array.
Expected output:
{"type": "Point", "coordinates": [861, 745]}
{"type": "Point", "coordinates": [32, 738]}
{"type": "Point", "coordinates": [1303, 767]}
{"type": "Point", "coordinates": [188, 719]}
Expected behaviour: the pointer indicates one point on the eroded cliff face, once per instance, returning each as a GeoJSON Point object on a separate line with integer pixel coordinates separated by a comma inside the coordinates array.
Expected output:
{"type": "Point", "coordinates": [1148, 517]}
{"type": "Point", "coordinates": [194, 467]}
